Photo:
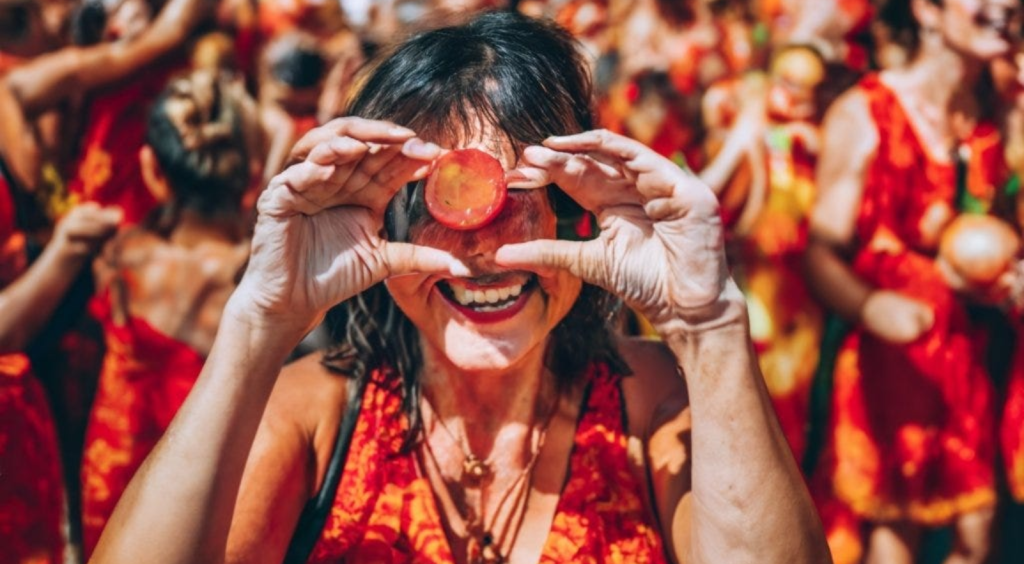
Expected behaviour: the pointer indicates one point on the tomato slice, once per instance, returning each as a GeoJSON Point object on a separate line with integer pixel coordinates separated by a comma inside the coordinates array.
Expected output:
{"type": "Point", "coordinates": [466, 189]}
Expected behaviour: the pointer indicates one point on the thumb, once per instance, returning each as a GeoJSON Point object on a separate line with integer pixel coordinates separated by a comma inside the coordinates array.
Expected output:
{"type": "Point", "coordinates": [925, 318]}
{"type": "Point", "coordinates": [546, 255]}
{"type": "Point", "coordinates": [406, 258]}
{"type": "Point", "coordinates": [112, 215]}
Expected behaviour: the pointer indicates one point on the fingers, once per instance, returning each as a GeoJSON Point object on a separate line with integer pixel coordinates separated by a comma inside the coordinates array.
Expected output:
{"type": "Point", "coordinates": [405, 258]}
{"type": "Point", "coordinates": [655, 176]}
{"type": "Point", "coordinates": [86, 227]}
{"type": "Point", "coordinates": [372, 131]}
{"type": "Point", "coordinates": [594, 184]}
{"type": "Point", "coordinates": [345, 171]}
{"type": "Point", "coordinates": [526, 177]}
{"type": "Point", "coordinates": [380, 176]}
{"type": "Point", "coordinates": [543, 256]}
{"type": "Point", "coordinates": [91, 221]}
{"type": "Point", "coordinates": [925, 319]}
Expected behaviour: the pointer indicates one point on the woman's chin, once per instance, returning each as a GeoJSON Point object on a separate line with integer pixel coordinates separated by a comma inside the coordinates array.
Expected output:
{"type": "Point", "coordinates": [472, 351]}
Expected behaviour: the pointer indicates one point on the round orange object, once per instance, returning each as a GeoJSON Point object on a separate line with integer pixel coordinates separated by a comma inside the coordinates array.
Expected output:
{"type": "Point", "coordinates": [980, 248]}
{"type": "Point", "coordinates": [466, 189]}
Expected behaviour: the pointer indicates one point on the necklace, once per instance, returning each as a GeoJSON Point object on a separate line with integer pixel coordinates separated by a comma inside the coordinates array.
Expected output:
{"type": "Point", "coordinates": [484, 538]}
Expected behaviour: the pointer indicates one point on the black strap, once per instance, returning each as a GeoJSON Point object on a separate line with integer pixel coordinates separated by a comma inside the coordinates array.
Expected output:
{"type": "Point", "coordinates": [314, 514]}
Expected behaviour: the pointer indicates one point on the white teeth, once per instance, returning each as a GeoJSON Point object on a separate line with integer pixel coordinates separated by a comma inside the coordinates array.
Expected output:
{"type": "Point", "coordinates": [485, 299]}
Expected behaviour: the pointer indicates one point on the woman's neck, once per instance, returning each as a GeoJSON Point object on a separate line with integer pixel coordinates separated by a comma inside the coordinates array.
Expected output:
{"type": "Point", "coordinates": [943, 79]}
{"type": "Point", "coordinates": [484, 404]}
{"type": "Point", "coordinates": [192, 229]}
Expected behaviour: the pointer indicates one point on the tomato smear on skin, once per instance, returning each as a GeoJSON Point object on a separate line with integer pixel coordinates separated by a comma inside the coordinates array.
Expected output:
{"type": "Point", "coordinates": [466, 189]}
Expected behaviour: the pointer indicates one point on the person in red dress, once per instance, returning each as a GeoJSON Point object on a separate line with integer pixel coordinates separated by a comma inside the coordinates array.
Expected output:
{"type": "Point", "coordinates": [490, 417]}
{"type": "Point", "coordinates": [161, 286]}
{"type": "Point", "coordinates": [911, 433]}
{"type": "Point", "coordinates": [109, 75]}
{"type": "Point", "coordinates": [32, 495]}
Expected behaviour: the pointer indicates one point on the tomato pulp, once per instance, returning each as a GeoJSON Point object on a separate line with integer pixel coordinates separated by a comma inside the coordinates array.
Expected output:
{"type": "Point", "coordinates": [466, 189]}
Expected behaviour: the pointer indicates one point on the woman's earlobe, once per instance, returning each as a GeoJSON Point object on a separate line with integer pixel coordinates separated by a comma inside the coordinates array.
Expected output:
{"type": "Point", "coordinates": [153, 175]}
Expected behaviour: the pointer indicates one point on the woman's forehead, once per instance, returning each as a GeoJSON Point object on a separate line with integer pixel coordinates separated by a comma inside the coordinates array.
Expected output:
{"type": "Point", "coordinates": [481, 135]}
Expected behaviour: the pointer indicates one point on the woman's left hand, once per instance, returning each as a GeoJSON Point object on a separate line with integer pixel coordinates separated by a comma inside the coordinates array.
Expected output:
{"type": "Point", "coordinates": [661, 246]}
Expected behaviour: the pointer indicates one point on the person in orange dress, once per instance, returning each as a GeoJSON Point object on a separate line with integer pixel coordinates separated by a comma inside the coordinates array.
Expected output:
{"type": "Point", "coordinates": [911, 441]}
{"type": "Point", "coordinates": [32, 494]}
{"type": "Point", "coordinates": [161, 286]}
{"type": "Point", "coordinates": [478, 409]}
{"type": "Point", "coordinates": [766, 212]}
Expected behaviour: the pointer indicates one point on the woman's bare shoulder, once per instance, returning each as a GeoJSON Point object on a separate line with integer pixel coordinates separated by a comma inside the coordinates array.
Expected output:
{"type": "Point", "coordinates": [310, 396]}
{"type": "Point", "coordinates": [656, 390]}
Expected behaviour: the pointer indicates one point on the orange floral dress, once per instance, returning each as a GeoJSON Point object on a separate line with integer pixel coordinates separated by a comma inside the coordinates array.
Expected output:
{"type": "Point", "coordinates": [145, 379]}
{"type": "Point", "coordinates": [911, 431]}
{"type": "Point", "coordinates": [385, 509]}
{"type": "Point", "coordinates": [108, 170]}
{"type": "Point", "coordinates": [31, 487]}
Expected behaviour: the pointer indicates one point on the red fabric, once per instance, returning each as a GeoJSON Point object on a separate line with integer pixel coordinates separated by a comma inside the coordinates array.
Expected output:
{"type": "Point", "coordinates": [912, 430]}
{"type": "Point", "coordinates": [385, 510]}
{"type": "Point", "coordinates": [13, 260]}
{"type": "Point", "coordinates": [1012, 425]}
{"type": "Point", "coordinates": [146, 377]}
{"type": "Point", "coordinates": [108, 170]}
{"type": "Point", "coordinates": [31, 487]}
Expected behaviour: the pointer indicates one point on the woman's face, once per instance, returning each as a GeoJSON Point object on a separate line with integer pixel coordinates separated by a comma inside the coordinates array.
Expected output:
{"type": "Point", "coordinates": [495, 319]}
{"type": "Point", "coordinates": [983, 29]}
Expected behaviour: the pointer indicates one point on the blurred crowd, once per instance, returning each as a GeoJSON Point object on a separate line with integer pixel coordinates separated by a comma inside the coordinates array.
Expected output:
{"type": "Point", "coordinates": [867, 155]}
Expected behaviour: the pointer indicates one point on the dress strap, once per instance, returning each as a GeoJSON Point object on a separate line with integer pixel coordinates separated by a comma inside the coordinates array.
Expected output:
{"type": "Point", "coordinates": [314, 515]}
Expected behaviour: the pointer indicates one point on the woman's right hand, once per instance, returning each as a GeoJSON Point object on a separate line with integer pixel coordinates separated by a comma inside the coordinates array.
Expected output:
{"type": "Point", "coordinates": [895, 318]}
{"type": "Point", "coordinates": [318, 235]}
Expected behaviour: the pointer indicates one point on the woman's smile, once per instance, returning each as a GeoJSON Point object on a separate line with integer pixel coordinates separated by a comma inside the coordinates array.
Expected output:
{"type": "Point", "coordinates": [491, 301]}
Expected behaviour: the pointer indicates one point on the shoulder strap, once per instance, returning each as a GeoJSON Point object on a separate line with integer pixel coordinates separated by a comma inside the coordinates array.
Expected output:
{"type": "Point", "coordinates": [314, 514]}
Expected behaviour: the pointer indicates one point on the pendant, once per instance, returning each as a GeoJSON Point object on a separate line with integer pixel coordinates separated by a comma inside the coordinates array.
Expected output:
{"type": "Point", "coordinates": [475, 469]}
{"type": "Point", "coordinates": [487, 552]}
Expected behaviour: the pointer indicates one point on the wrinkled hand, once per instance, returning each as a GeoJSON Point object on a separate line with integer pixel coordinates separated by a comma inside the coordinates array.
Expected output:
{"type": "Point", "coordinates": [317, 240]}
{"type": "Point", "coordinates": [896, 318]}
{"type": "Point", "coordinates": [661, 243]}
{"type": "Point", "coordinates": [84, 229]}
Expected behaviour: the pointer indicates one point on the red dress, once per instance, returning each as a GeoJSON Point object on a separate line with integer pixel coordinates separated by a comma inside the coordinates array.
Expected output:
{"type": "Point", "coordinates": [1012, 426]}
{"type": "Point", "coordinates": [108, 170]}
{"type": "Point", "coordinates": [385, 510]}
{"type": "Point", "coordinates": [146, 377]}
{"type": "Point", "coordinates": [31, 488]}
{"type": "Point", "coordinates": [912, 430]}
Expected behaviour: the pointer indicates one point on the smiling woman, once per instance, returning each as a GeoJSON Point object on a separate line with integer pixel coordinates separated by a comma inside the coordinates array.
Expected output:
{"type": "Point", "coordinates": [479, 407]}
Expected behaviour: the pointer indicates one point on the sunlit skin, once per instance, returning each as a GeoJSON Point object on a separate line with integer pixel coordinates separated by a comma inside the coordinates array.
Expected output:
{"type": "Point", "coordinates": [492, 341]}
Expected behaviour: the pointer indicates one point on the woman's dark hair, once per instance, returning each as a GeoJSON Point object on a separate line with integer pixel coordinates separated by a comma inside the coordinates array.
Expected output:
{"type": "Point", "coordinates": [294, 59]}
{"type": "Point", "coordinates": [197, 132]}
{"type": "Point", "coordinates": [88, 21]}
{"type": "Point", "coordinates": [525, 79]}
{"type": "Point", "coordinates": [898, 17]}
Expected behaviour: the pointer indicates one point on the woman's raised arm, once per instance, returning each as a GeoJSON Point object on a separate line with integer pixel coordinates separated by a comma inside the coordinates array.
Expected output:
{"type": "Point", "coordinates": [661, 249]}
{"type": "Point", "coordinates": [316, 243]}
